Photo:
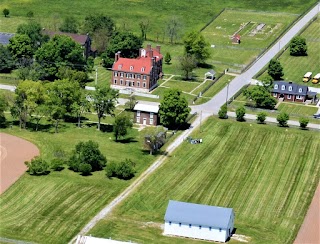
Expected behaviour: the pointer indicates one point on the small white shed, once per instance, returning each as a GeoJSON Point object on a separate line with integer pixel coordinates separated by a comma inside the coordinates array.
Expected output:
{"type": "Point", "coordinates": [211, 74]}
{"type": "Point", "coordinates": [199, 221]}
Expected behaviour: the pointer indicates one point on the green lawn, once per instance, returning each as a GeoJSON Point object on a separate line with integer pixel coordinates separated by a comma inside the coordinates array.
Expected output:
{"type": "Point", "coordinates": [218, 86]}
{"type": "Point", "coordinates": [53, 208]}
{"type": "Point", "coordinates": [266, 173]}
{"type": "Point", "coordinates": [294, 68]}
{"type": "Point", "coordinates": [186, 86]}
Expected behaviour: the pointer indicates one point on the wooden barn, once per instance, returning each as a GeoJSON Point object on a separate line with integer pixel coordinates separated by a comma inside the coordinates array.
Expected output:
{"type": "Point", "coordinates": [199, 221]}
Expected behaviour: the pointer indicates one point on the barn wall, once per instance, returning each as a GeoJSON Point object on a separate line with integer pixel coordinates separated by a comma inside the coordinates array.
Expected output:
{"type": "Point", "coordinates": [195, 232]}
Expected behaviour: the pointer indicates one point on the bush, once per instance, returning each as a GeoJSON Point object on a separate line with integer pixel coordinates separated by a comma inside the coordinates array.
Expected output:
{"type": "Point", "coordinates": [6, 12]}
{"type": "Point", "coordinates": [57, 164]}
{"type": "Point", "coordinates": [123, 170]}
{"type": "Point", "coordinates": [223, 112]}
{"type": "Point", "coordinates": [85, 169]}
{"type": "Point", "coordinates": [303, 122]}
{"type": "Point", "coordinates": [261, 117]}
{"type": "Point", "coordinates": [30, 14]}
{"type": "Point", "coordinates": [240, 113]}
{"type": "Point", "coordinates": [298, 46]}
{"type": "Point", "coordinates": [37, 166]}
{"type": "Point", "coordinates": [282, 119]}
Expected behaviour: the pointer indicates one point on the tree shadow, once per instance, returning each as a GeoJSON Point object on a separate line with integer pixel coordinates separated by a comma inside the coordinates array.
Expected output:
{"type": "Point", "coordinates": [127, 140]}
{"type": "Point", "coordinates": [205, 66]}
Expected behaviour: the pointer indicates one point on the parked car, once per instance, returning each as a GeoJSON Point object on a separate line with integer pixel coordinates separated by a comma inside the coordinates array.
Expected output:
{"type": "Point", "coordinates": [316, 116]}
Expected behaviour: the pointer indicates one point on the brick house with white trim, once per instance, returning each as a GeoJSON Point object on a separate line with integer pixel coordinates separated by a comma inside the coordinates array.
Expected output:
{"type": "Point", "coordinates": [146, 114]}
{"type": "Point", "coordinates": [292, 92]}
{"type": "Point", "coordinates": [139, 74]}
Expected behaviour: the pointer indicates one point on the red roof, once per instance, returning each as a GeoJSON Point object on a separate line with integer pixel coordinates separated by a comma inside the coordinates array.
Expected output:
{"type": "Point", "coordinates": [237, 36]}
{"type": "Point", "coordinates": [81, 39]}
{"type": "Point", "coordinates": [142, 64]}
{"type": "Point", "coordinates": [139, 65]}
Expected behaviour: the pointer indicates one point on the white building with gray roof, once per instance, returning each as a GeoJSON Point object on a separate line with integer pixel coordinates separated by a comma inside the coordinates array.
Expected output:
{"type": "Point", "coordinates": [199, 221]}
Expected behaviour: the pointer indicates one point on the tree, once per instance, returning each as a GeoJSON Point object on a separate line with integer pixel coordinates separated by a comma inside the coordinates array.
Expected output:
{"type": "Point", "coordinates": [101, 39]}
{"type": "Point", "coordinates": [261, 117]}
{"type": "Point", "coordinates": [275, 69]}
{"type": "Point", "coordinates": [174, 108]}
{"type": "Point", "coordinates": [196, 45]}
{"type": "Point", "coordinates": [173, 28]}
{"type": "Point", "coordinates": [68, 73]}
{"type": "Point", "coordinates": [123, 170]}
{"type": "Point", "coordinates": [60, 51]}
{"type": "Point", "coordinates": [261, 96]}
{"type": "Point", "coordinates": [31, 71]}
{"type": "Point", "coordinates": [282, 119]}
{"type": "Point", "coordinates": [298, 46]}
{"type": "Point", "coordinates": [240, 113]}
{"type": "Point", "coordinates": [303, 122]}
{"type": "Point", "coordinates": [125, 42]}
{"type": "Point", "coordinates": [6, 60]}
{"type": "Point", "coordinates": [6, 12]}
{"type": "Point", "coordinates": [223, 112]}
{"type": "Point", "coordinates": [121, 125]}
{"type": "Point", "coordinates": [187, 64]}
{"type": "Point", "coordinates": [93, 23]}
{"type": "Point", "coordinates": [80, 106]}
{"type": "Point", "coordinates": [167, 58]}
{"type": "Point", "coordinates": [37, 166]}
{"type": "Point", "coordinates": [20, 47]}
{"type": "Point", "coordinates": [132, 101]}
{"type": "Point", "coordinates": [104, 101]}
{"type": "Point", "coordinates": [62, 94]}
{"type": "Point", "coordinates": [34, 31]}
{"type": "Point", "coordinates": [69, 24]}
{"type": "Point", "coordinates": [87, 153]}
{"type": "Point", "coordinates": [154, 139]}
{"type": "Point", "coordinates": [85, 169]}
{"type": "Point", "coordinates": [144, 27]}
{"type": "Point", "coordinates": [3, 106]}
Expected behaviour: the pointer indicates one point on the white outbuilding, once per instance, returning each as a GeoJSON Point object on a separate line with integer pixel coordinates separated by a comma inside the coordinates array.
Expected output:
{"type": "Point", "coordinates": [199, 221]}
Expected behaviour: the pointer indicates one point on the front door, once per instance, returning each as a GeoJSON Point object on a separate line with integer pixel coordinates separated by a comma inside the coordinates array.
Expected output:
{"type": "Point", "coordinates": [144, 121]}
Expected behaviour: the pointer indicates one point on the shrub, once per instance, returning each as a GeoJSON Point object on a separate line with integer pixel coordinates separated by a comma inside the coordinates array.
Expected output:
{"type": "Point", "coordinates": [37, 166]}
{"type": "Point", "coordinates": [167, 58]}
{"type": "Point", "coordinates": [57, 164]}
{"type": "Point", "coordinates": [298, 46]}
{"type": "Point", "coordinates": [123, 170]}
{"type": "Point", "coordinates": [85, 169]}
{"type": "Point", "coordinates": [303, 122]}
{"type": "Point", "coordinates": [261, 117]}
{"type": "Point", "coordinates": [6, 12]}
{"type": "Point", "coordinates": [240, 113]}
{"type": "Point", "coordinates": [30, 14]}
{"type": "Point", "coordinates": [282, 119]}
{"type": "Point", "coordinates": [223, 112]}
{"type": "Point", "coordinates": [111, 169]}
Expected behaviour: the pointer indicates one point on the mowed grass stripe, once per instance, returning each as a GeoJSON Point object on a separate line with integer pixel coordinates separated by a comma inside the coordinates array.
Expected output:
{"type": "Point", "coordinates": [263, 172]}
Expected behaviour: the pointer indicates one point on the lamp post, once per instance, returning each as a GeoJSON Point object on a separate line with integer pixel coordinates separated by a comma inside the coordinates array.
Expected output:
{"type": "Point", "coordinates": [96, 81]}
{"type": "Point", "coordinates": [227, 92]}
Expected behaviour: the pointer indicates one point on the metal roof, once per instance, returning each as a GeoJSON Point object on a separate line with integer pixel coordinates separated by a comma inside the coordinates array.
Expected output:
{"type": "Point", "coordinates": [5, 37]}
{"type": "Point", "coordinates": [198, 214]}
{"type": "Point", "coordinates": [146, 108]}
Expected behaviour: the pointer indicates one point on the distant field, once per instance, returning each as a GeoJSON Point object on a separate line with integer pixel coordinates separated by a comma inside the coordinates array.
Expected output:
{"type": "Point", "coordinates": [53, 208]}
{"type": "Point", "coordinates": [294, 68]}
{"type": "Point", "coordinates": [263, 172]}
{"type": "Point", "coordinates": [191, 14]}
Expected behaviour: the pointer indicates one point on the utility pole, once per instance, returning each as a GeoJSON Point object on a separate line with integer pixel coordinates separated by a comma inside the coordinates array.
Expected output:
{"type": "Point", "coordinates": [200, 119]}
{"type": "Point", "coordinates": [96, 81]}
{"type": "Point", "coordinates": [227, 93]}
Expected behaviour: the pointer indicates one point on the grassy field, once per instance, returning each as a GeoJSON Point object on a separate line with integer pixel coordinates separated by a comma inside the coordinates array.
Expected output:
{"type": "Point", "coordinates": [294, 68]}
{"type": "Point", "coordinates": [53, 208]}
{"type": "Point", "coordinates": [238, 166]}
{"type": "Point", "coordinates": [218, 86]}
{"type": "Point", "coordinates": [190, 14]}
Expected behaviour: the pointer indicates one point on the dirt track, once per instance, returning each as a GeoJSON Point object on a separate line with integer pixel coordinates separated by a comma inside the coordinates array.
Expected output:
{"type": "Point", "coordinates": [309, 232]}
{"type": "Point", "coordinates": [14, 151]}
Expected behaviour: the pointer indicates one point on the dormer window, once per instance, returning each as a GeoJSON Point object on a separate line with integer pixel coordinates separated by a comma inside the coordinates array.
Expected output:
{"type": "Point", "coordinates": [283, 87]}
{"type": "Point", "coordinates": [300, 89]}
{"type": "Point", "coordinates": [120, 66]}
{"type": "Point", "coordinates": [142, 69]}
{"type": "Point", "coordinates": [275, 86]}
{"type": "Point", "coordinates": [290, 88]}
{"type": "Point", "coordinates": [131, 67]}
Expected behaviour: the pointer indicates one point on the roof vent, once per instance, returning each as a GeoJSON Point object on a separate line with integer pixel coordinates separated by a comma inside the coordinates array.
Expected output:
{"type": "Point", "coordinates": [290, 82]}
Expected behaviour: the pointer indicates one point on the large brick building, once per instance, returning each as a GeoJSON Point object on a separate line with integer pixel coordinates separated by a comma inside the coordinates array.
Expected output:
{"type": "Point", "coordinates": [139, 74]}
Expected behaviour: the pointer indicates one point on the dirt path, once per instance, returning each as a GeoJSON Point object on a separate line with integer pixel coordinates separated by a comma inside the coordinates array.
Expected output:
{"type": "Point", "coordinates": [14, 151]}
{"type": "Point", "coordinates": [309, 232]}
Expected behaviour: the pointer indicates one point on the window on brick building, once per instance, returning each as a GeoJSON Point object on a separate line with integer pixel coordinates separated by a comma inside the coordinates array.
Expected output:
{"type": "Point", "coordinates": [144, 84]}
{"type": "Point", "coordinates": [138, 84]}
{"type": "Point", "coordinates": [144, 77]}
{"type": "Point", "coordinates": [121, 82]}
{"type": "Point", "coordinates": [115, 81]}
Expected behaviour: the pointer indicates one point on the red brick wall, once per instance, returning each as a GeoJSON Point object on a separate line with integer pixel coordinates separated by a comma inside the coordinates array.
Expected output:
{"type": "Point", "coordinates": [146, 116]}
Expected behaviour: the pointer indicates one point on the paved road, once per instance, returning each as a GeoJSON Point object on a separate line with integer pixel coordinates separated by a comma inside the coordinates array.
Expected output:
{"type": "Point", "coordinates": [237, 83]}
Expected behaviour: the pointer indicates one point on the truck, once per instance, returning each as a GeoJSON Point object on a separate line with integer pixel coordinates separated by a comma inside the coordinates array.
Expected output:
{"type": "Point", "coordinates": [307, 76]}
{"type": "Point", "coordinates": [316, 79]}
